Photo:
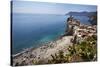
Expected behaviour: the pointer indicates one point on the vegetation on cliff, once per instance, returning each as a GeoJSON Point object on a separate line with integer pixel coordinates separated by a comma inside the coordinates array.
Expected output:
{"type": "Point", "coordinates": [84, 51]}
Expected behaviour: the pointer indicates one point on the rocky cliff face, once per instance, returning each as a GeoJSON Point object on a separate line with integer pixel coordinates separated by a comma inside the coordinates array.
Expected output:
{"type": "Point", "coordinates": [71, 24]}
{"type": "Point", "coordinates": [79, 31]}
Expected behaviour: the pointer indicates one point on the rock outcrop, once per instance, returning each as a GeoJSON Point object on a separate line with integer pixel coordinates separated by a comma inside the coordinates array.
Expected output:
{"type": "Point", "coordinates": [79, 31]}
{"type": "Point", "coordinates": [71, 24]}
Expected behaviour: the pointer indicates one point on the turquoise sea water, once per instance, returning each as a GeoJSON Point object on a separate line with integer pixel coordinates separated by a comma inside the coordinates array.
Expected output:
{"type": "Point", "coordinates": [30, 30]}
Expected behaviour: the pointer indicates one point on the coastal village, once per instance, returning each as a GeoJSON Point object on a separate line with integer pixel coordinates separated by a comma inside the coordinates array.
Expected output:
{"type": "Point", "coordinates": [80, 31]}
{"type": "Point", "coordinates": [74, 34]}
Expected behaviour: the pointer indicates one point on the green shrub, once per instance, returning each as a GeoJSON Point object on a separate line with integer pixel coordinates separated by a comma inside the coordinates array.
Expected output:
{"type": "Point", "coordinates": [85, 51]}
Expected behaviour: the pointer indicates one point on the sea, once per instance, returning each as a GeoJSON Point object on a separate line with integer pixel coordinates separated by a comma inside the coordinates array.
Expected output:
{"type": "Point", "coordinates": [33, 30]}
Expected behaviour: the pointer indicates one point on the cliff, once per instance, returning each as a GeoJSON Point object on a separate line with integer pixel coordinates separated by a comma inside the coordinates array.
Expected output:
{"type": "Point", "coordinates": [79, 31]}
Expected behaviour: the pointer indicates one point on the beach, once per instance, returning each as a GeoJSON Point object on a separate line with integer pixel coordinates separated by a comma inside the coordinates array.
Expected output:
{"type": "Point", "coordinates": [43, 52]}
